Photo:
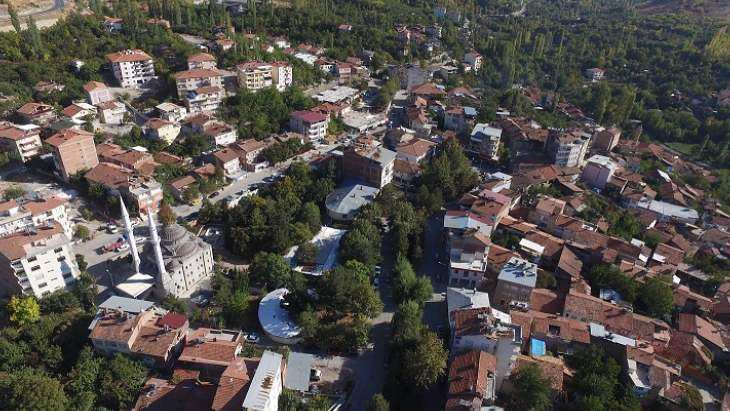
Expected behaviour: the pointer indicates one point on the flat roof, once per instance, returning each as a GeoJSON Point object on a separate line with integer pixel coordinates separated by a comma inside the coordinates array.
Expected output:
{"type": "Point", "coordinates": [136, 285]}
{"type": "Point", "coordinates": [519, 271]}
{"type": "Point", "coordinates": [128, 305]}
{"type": "Point", "coordinates": [668, 209]}
{"type": "Point", "coordinates": [298, 371]}
{"type": "Point", "coordinates": [275, 320]}
{"type": "Point", "coordinates": [259, 395]}
{"type": "Point", "coordinates": [363, 121]}
{"type": "Point", "coordinates": [336, 94]}
{"type": "Point", "coordinates": [347, 199]}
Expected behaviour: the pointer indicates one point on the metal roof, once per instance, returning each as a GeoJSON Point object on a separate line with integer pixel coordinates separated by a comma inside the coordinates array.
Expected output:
{"type": "Point", "coordinates": [128, 305]}
{"type": "Point", "coordinates": [298, 369]}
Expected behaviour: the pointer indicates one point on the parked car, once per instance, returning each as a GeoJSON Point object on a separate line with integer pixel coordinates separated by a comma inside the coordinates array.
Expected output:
{"type": "Point", "coordinates": [214, 194]}
{"type": "Point", "coordinates": [315, 374]}
{"type": "Point", "coordinates": [200, 301]}
{"type": "Point", "coordinates": [112, 228]}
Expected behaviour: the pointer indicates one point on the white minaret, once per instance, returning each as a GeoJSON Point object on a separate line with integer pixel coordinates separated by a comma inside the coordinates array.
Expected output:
{"type": "Point", "coordinates": [156, 244]}
{"type": "Point", "coordinates": [130, 235]}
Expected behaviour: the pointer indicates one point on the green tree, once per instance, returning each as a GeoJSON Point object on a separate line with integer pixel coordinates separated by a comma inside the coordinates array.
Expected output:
{"type": "Point", "coordinates": [655, 298]}
{"type": "Point", "coordinates": [407, 322]}
{"type": "Point", "coordinates": [270, 270]}
{"type": "Point", "coordinates": [531, 389]}
{"type": "Point", "coordinates": [23, 310]}
{"type": "Point", "coordinates": [13, 192]}
{"type": "Point", "coordinates": [407, 285]}
{"type": "Point", "coordinates": [122, 378]}
{"type": "Point", "coordinates": [82, 380]}
{"type": "Point", "coordinates": [82, 232]}
{"type": "Point", "coordinates": [425, 363]}
{"type": "Point", "coordinates": [306, 254]}
{"type": "Point", "coordinates": [378, 403]}
{"type": "Point", "coordinates": [310, 216]}
{"type": "Point", "coordinates": [609, 276]}
{"type": "Point", "coordinates": [31, 389]}
{"type": "Point", "coordinates": [12, 354]}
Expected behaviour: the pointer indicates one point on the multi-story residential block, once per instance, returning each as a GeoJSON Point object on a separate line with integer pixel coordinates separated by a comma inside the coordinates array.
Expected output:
{"type": "Point", "coordinates": [202, 89]}
{"type": "Point", "coordinates": [473, 60]}
{"type": "Point", "coordinates": [415, 151]}
{"type": "Point", "coordinates": [112, 112]}
{"type": "Point", "coordinates": [515, 282]}
{"type": "Point", "coordinates": [143, 192]}
{"type": "Point", "coordinates": [468, 257]}
{"type": "Point", "coordinates": [484, 141]}
{"type": "Point", "coordinates": [23, 142]}
{"type": "Point", "coordinates": [369, 161]}
{"type": "Point", "coordinates": [228, 159]}
{"type": "Point", "coordinates": [73, 151]}
{"type": "Point", "coordinates": [139, 329]}
{"type": "Point", "coordinates": [162, 130]}
{"type": "Point", "coordinates": [191, 80]}
{"type": "Point", "coordinates": [220, 133]}
{"type": "Point", "coordinates": [132, 68]}
{"type": "Point", "coordinates": [36, 113]}
{"type": "Point", "coordinates": [204, 99]}
{"type": "Point", "coordinates": [455, 119]}
{"type": "Point", "coordinates": [472, 382]}
{"type": "Point", "coordinates": [249, 151]}
{"type": "Point", "coordinates": [311, 124]}
{"type": "Point", "coordinates": [79, 112]}
{"type": "Point", "coordinates": [255, 75]}
{"type": "Point", "coordinates": [568, 149]}
{"type": "Point", "coordinates": [171, 112]}
{"type": "Point", "coordinates": [282, 75]}
{"type": "Point", "coordinates": [135, 159]}
{"type": "Point", "coordinates": [19, 215]}
{"type": "Point", "coordinates": [598, 171]}
{"type": "Point", "coordinates": [606, 140]}
{"type": "Point", "coordinates": [37, 261]}
{"type": "Point", "coordinates": [97, 92]}
{"type": "Point", "coordinates": [202, 61]}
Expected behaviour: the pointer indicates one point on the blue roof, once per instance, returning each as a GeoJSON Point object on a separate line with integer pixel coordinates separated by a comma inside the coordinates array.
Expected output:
{"type": "Point", "coordinates": [537, 347]}
{"type": "Point", "coordinates": [470, 111]}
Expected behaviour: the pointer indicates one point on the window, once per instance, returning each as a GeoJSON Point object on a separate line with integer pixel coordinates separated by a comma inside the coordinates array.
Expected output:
{"type": "Point", "coordinates": [554, 329]}
{"type": "Point", "coordinates": [61, 258]}
{"type": "Point", "coordinates": [58, 250]}
{"type": "Point", "coordinates": [31, 259]}
{"type": "Point", "coordinates": [42, 285]}
{"type": "Point", "coordinates": [34, 268]}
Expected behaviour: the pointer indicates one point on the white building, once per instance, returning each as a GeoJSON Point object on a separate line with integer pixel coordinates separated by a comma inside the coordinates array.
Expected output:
{"type": "Point", "coordinates": [97, 92]}
{"type": "Point", "coordinates": [23, 142]}
{"type": "Point", "coordinates": [16, 216]}
{"type": "Point", "coordinates": [484, 141]}
{"type": "Point", "coordinates": [309, 123]}
{"type": "Point", "coordinates": [132, 68]}
{"type": "Point", "coordinates": [190, 80]}
{"type": "Point", "coordinates": [598, 171]}
{"type": "Point", "coordinates": [112, 112]}
{"type": "Point", "coordinates": [220, 133]}
{"type": "Point", "coordinates": [568, 149]}
{"type": "Point", "coordinates": [474, 60]}
{"type": "Point", "coordinates": [202, 61]}
{"type": "Point", "coordinates": [171, 112]}
{"type": "Point", "coordinates": [37, 261]}
{"type": "Point", "coordinates": [256, 75]}
{"type": "Point", "coordinates": [162, 130]}
{"type": "Point", "coordinates": [266, 385]}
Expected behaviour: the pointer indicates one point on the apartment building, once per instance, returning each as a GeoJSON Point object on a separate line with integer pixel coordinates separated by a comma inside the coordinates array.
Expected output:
{"type": "Point", "coordinates": [132, 68]}
{"type": "Point", "coordinates": [474, 60]}
{"type": "Point", "coordinates": [19, 215]}
{"type": "Point", "coordinates": [202, 61]}
{"type": "Point", "coordinates": [598, 171]}
{"type": "Point", "coordinates": [36, 113]}
{"type": "Point", "coordinates": [606, 140]}
{"type": "Point", "coordinates": [23, 142]}
{"type": "Point", "coordinates": [191, 80]}
{"type": "Point", "coordinates": [220, 133]}
{"type": "Point", "coordinates": [37, 261]}
{"type": "Point", "coordinates": [140, 329]}
{"type": "Point", "coordinates": [369, 161]}
{"type": "Point", "coordinates": [204, 99]}
{"type": "Point", "coordinates": [162, 130]}
{"type": "Point", "coordinates": [515, 282]}
{"type": "Point", "coordinates": [171, 112]}
{"type": "Point", "coordinates": [256, 75]}
{"type": "Point", "coordinates": [311, 124]}
{"type": "Point", "coordinates": [112, 112]}
{"type": "Point", "coordinates": [568, 149]}
{"type": "Point", "coordinates": [73, 151]}
{"type": "Point", "coordinates": [97, 92]}
{"type": "Point", "coordinates": [484, 141]}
